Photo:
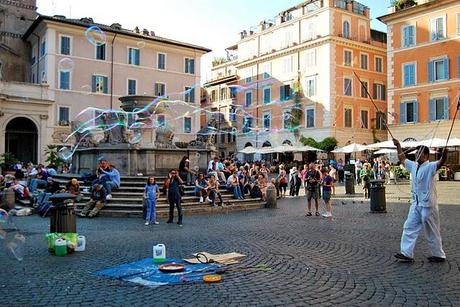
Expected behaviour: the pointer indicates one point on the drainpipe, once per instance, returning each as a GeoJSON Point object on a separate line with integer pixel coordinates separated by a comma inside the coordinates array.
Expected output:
{"type": "Point", "coordinates": [38, 54]}
{"type": "Point", "coordinates": [111, 72]}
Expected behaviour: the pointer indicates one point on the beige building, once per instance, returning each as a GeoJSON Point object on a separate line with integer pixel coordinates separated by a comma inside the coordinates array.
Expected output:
{"type": "Point", "coordinates": [319, 45]}
{"type": "Point", "coordinates": [79, 65]}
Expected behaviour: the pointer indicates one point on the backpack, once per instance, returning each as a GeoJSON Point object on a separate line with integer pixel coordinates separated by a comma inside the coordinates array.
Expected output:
{"type": "Point", "coordinates": [43, 205]}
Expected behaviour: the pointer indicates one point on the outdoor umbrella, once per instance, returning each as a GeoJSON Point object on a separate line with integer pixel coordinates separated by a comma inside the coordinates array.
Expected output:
{"type": "Point", "coordinates": [284, 148]}
{"type": "Point", "coordinates": [389, 144]}
{"type": "Point", "coordinates": [249, 150]}
{"type": "Point", "coordinates": [303, 148]}
{"type": "Point", "coordinates": [454, 142]}
{"type": "Point", "coordinates": [351, 148]}
{"type": "Point", "coordinates": [434, 142]}
{"type": "Point", "coordinates": [385, 151]}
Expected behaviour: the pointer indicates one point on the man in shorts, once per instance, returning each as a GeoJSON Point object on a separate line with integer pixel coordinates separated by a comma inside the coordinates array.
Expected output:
{"type": "Point", "coordinates": [313, 178]}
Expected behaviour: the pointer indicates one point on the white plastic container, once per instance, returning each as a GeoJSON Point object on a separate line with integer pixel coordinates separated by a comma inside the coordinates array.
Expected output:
{"type": "Point", "coordinates": [159, 253]}
{"type": "Point", "coordinates": [81, 244]}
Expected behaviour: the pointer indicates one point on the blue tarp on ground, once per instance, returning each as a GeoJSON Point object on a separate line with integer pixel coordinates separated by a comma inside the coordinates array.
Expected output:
{"type": "Point", "coordinates": [146, 272]}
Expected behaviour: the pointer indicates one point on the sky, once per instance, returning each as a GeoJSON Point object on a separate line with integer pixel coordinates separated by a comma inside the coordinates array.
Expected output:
{"type": "Point", "coordinates": [214, 24]}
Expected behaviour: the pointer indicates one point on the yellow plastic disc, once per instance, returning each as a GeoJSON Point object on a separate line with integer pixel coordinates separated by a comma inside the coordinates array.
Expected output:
{"type": "Point", "coordinates": [212, 278]}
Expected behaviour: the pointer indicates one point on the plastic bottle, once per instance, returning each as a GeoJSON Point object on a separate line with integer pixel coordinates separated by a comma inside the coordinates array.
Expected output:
{"type": "Point", "coordinates": [60, 247]}
{"type": "Point", "coordinates": [81, 244]}
{"type": "Point", "coordinates": [159, 253]}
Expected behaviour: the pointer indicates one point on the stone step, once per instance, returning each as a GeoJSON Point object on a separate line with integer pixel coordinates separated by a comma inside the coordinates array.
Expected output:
{"type": "Point", "coordinates": [138, 196]}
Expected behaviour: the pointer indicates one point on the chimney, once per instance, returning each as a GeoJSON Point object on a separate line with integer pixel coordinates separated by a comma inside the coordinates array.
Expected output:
{"type": "Point", "coordinates": [136, 29]}
{"type": "Point", "coordinates": [152, 33]}
{"type": "Point", "coordinates": [145, 32]}
{"type": "Point", "coordinates": [116, 26]}
{"type": "Point", "coordinates": [87, 20]}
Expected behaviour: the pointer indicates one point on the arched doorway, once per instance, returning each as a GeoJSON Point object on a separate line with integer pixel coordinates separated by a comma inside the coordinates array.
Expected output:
{"type": "Point", "coordinates": [21, 139]}
{"type": "Point", "coordinates": [268, 156]}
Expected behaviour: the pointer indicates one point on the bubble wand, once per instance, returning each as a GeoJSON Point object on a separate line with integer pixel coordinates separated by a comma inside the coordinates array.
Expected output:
{"type": "Point", "coordinates": [372, 100]}
{"type": "Point", "coordinates": [453, 120]}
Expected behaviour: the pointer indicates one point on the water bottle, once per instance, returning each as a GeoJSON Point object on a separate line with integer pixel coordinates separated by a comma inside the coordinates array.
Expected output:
{"type": "Point", "coordinates": [159, 253]}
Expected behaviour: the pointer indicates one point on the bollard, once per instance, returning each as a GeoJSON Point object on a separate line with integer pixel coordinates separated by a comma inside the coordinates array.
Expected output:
{"type": "Point", "coordinates": [377, 196]}
{"type": "Point", "coordinates": [271, 197]}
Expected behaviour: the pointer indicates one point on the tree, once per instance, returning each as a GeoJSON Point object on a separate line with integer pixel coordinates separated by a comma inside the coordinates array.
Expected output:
{"type": "Point", "coordinates": [328, 144]}
{"type": "Point", "coordinates": [402, 4]}
{"type": "Point", "coordinates": [52, 156]}
{"type": "Point", "coordinates": [7, 161]}
{"type": "Point", "coordinates": [297, 110]}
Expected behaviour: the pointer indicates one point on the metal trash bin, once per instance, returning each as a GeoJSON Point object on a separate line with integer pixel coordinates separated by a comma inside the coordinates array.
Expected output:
{"type": "Point", "coordinates": [377, 196]}
{"type": "Point", "coordinates": [63, 218]}
{"type": "Point", "coordinates": [349, 183]}
{"type": "Point", "coordinates": [271, 197]}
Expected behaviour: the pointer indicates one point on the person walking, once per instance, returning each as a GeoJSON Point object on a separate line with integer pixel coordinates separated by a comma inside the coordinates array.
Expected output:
{"type": "Point", "coordinates": [328, 183]}
{"type": "Point", "coordinates": [423, 212]}
{"type": "Point", "coordinates": [151, 194]}
{"type": "Point", "coordinates": [174, 196]}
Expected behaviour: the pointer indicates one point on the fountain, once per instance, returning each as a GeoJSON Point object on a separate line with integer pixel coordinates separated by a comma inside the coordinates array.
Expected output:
{"type": "Point", "coordinates": [133, 144]}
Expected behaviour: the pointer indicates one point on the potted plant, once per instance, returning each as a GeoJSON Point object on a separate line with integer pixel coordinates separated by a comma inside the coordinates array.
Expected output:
{"type": "Point", "coordinates": [403, 4]}
{"type": "Point", "coordinates": [7, 162]}
{"type": "Point", "coordinates": [52, 157]}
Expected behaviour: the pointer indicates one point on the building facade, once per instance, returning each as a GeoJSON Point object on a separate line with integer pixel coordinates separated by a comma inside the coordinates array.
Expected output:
{"type": "Point", "coordinates": [314, 48]}
{"type": "Point", "coordinates": [15, 18]}
{"type": "Point", "coordinates": [81, 68]}
{"type": "Point", "coordinates": [424, 75]}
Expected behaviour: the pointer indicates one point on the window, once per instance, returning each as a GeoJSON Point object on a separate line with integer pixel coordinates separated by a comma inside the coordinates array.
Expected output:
{"type": "Point", "coordinates": [248, 80]}
{"type": "Point", "coordinates": [189, 66]}
{"type": "Point", "coordinates": [310, 118]}
{"type": "Point", "coordinates": [364, 89]}
{"type": "Point", "coordinates": [161, 61]}
{"type": "Point", "coordinates": [267, 121]}
{"type": "Point", "coordinates": [189, 94]}
{"type": "Point", "coordinates": [347, 58]}
{"type": "Point", "coordinates": [99, 84]}
{"type": "Point", "coordinates": [213, 95]}
{"type": "Point", "coordinates": [287, 65]}
{"type": "Point", "coordinates": [364, 119]}
{"type": "Point", "coordinates": [379, 91]}
{"type": "Point", "coordinates": [285, 92]}
{"type": "Point", "coordinates": [287, 119]}
{"type": "Point", "coordinates": [348, 118]}
{"type": "Point", "coordinates": [248, 101]}
{"type": "Point", "coordinates": [439, 108]}
{"type": "Point", "coordinates": [161, 120]}
{"type": "Point", "coordinates": [100, 52]}
{"type": "Point", "coordinates": [160, 89]}
{"type": "Point", "coordinates": [346, 29]}
{"type": "Point", "coordinates": [438, 28]}
{"type": "Point", "coordinates": [458, 23]}
{"type": "Point", "coordinates": [32, 58]}
{"type": "Point", "coordinates": [380, 120]}
{"type": "Point", "coordinates": [438, 70]}
{"type": "Point", "coordinates": [347, 87]}
{"type": "Point", "coordinates": [247, 124]}
{"type": "Point", "coordinates": [233, 92]}
{"type": "Point", "coordinates": [341, 4]}
{"type": "Point", "coordinates": [378, 64]}
{"type": "Point", "coordinates": [131, 87]}
{"type": "Point", "coordinates": [310, 91]}
{"type": "Point", "coordinates": [409, 74]}
{"type": "Point", "coordinates": [65, 45]}
{"type": "Point", "coordinates": [310, 58]}
{"type": "Point", "coordinates": [64, 116]}
{"type": "Point", "coordinates": [408, 112]}
{"type": "Point", "coordinates": [364, 60]}
{"type": "Point", "coordinates": [64, 80]}
{"type": "Point", "coordinates": [133, 56]}
{"type": "Point", "coordinates": [187, 125]}
{"type": "Point", "coordinates": [408, 36]}
{"type": "Point", "coordinates": [223, 94]}
{"type": "Point", "coordinates": [43, 48]}
{"type": "Point", "coordinates": [232, 114]}
{"type": "Point", "coordinates": [267, 94]}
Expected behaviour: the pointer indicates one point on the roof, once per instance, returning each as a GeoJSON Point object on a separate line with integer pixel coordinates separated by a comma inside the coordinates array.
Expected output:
{"type": "Point", "coordinates": [106, 28]}
{"type": "Point", "coordinates": [414, 9]}
{"type": "Point", "coordinates": [221, 81]}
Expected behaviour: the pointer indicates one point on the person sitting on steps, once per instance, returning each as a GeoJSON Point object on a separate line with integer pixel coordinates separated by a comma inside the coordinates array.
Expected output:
{"type": "Point", "coordinates": [96, 202]}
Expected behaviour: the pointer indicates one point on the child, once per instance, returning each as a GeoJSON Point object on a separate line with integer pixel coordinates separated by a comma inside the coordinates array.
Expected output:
{"type": "Point", "coordinates": [327, 184]}
{"type": "Point", "coordinates": [151, 194]}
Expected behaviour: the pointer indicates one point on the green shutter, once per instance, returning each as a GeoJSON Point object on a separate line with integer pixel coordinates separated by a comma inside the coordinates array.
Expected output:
{"type": "Point", "coordinates": [446, 108]}
{"type": "Point", "coordinates": [432, 107]}
{"type": "Point", "coordinates": [430, 71]}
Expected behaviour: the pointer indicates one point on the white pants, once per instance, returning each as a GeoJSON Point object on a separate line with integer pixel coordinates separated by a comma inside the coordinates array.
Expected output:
{"type": "Point", "coordinates": [418, 218]}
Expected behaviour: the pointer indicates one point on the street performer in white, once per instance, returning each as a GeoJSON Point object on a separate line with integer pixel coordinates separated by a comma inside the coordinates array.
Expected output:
{"type": "Point", "coordinates": [423, 212]}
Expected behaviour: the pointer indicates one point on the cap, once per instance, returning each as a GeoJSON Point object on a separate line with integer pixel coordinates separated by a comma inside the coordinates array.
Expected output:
{"type": "Point", "coordinates": [101, 158]}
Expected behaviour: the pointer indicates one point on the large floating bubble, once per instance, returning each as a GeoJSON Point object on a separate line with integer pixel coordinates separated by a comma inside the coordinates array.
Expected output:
{"type": "Point", "coordinates": [66, 64]}
{"type": "Point", "coordinates": [95, 36]}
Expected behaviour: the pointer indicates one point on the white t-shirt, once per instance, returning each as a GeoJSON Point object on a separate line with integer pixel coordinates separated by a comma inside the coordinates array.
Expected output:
{"type": "Point", "coordinates": [423, 183]}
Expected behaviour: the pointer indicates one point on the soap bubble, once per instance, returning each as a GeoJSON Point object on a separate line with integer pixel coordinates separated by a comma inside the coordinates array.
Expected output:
{"type": "Point", "coordinates": [16, 246]}
{"type": "Point", "coordinates": [95, 36]}
{"type": "Point", "coordinates": [86, 89]}
{"type": "Point", "coordinates": [65, 153]}
{"type": "Point", "coordinates": [140, 44]}
{"type": "Point", "coordinates": [66, 64]}
{"type": "Point", "coordinates": [3, 216]}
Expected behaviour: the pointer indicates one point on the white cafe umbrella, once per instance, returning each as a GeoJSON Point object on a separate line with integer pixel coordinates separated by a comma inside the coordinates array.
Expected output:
{"type": "Point", "coordinates": [454, 142]}
{"type": "Point", "coordinates": [284, 148]}
{"type": "Point", "coordinates": [351, 148]}
{"type": "Point", "coordinates": [266, 150]}
{"type": "Point", "coordinates": [434, 142]}
{"type": "Point", "coordinates": [248, 150]}
{"type": "Point", "coordinates": [385, 151]}
{"type": "Point", "coordinates": [389, 144]}
{"type": "Point", "coordinates": [304, 148]}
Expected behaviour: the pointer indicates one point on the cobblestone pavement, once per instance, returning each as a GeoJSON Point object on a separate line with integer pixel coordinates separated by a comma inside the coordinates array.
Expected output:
{"type": "Point", "coordinates": [314, 261]}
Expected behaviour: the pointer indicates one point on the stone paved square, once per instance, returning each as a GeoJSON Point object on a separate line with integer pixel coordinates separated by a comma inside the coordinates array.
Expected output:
{"type": "Point", "coordinates": [315, 261]}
